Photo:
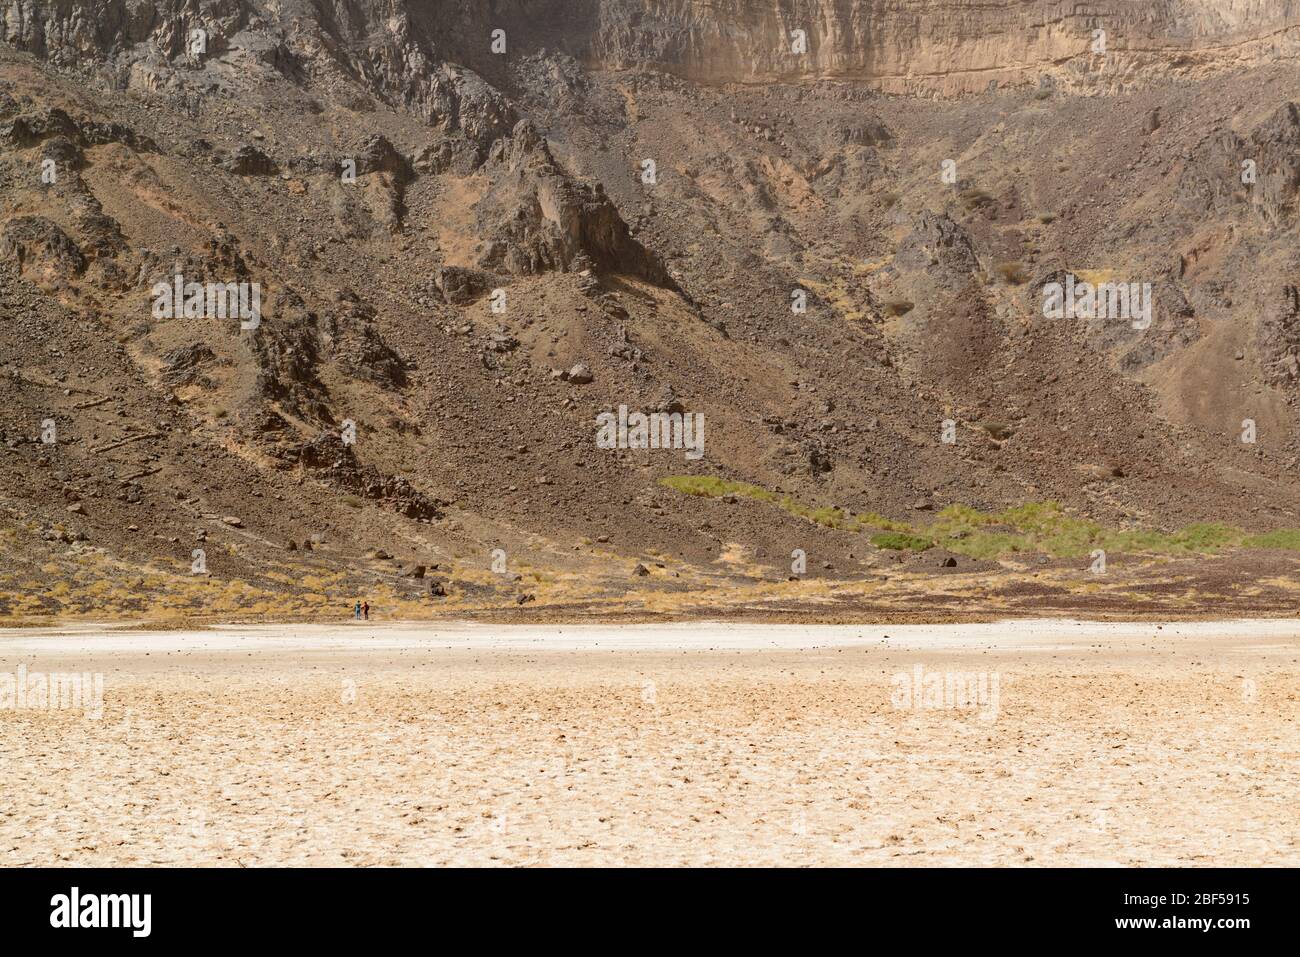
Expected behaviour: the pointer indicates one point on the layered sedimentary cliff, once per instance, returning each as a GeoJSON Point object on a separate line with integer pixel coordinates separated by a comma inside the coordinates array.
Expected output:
{"type": "Point", "coordinates": [945, 46]}
{"type": "Point", "coordinates": [901, 46]}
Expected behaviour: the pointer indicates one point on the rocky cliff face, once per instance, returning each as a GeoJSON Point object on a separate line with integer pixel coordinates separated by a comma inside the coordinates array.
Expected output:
{"type": "Point", "coordinates": [466, 256]}
{"type": "Point", "coordinates": [899, 46]}
{"type": "Point", "coordinates": [944, 46]}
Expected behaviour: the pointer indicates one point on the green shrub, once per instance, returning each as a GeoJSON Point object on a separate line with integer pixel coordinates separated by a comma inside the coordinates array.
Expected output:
{"type": "Point", "coordinates": [899, 541]}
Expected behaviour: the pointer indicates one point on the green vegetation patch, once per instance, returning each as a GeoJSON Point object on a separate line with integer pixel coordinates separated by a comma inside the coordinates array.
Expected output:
{"type": "Point", "coordinates": [1038, 527]}
{"type": "Point", "coordinates": [900, 541]}
{"type": "Point", "coordinates": [1288, 538]}
{"type": "Point", "coordinates": [710, 486]}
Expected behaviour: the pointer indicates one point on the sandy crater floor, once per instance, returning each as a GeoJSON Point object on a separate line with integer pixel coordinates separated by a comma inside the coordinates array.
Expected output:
{"type": "Point", "coordinates": [658, 745]}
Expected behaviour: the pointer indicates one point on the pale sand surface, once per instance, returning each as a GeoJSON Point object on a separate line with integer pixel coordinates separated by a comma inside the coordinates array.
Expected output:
{"type": "Point", "coordinates": [370, 744]}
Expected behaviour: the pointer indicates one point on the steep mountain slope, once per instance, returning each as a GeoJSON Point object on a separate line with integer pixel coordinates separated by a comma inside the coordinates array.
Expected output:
{"type": "Point", "coordinates": [463, 257]}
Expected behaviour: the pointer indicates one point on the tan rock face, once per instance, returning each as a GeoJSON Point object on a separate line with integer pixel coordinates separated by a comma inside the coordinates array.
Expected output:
{"type": "Point", "coordinates": [945, 47]}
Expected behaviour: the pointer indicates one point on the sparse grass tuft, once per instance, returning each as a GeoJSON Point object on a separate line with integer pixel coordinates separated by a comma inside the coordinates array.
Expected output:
{"type": "Point", "coordinates": [830, 517]}
{"type": "Point", "coordinates": [997, 430]}
{"type": "Point", "coordinates": [1012, 272]}
{"type": "Point", "coordinates": [975, 198]}
{"type": "Point", "coordinates": [710, 486]}
{"type": "Point", "coordinates": [876, 520]}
